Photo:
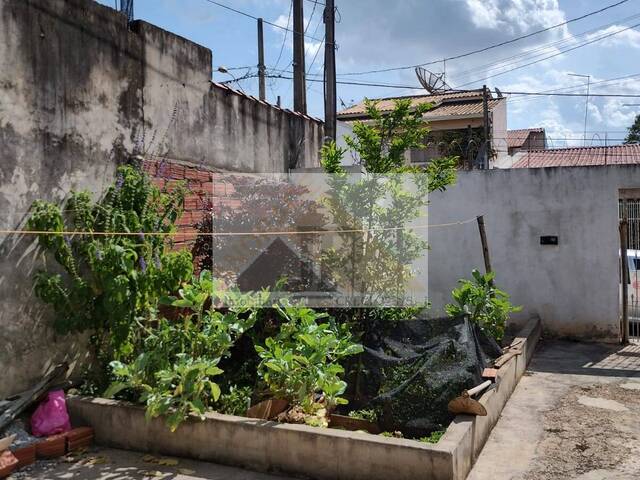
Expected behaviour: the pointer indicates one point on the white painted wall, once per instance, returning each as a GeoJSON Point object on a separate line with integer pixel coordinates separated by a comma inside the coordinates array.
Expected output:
{"type": "Point", "coordinates": [574, 286]}
{"type": "Point", "coordinates": [499, 133]}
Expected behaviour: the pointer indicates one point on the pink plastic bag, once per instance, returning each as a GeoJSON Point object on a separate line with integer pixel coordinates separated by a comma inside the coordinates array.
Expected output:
{"type": "Point", "coordinates": [51, 416]}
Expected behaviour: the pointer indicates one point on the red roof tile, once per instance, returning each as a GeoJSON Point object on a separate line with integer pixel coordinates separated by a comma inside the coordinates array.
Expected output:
{"type": "Point", "coordinates": [387, 104]}
{"type": "Point", "coordinates": [517, 138]}
{"type": "Point", "coordinates": [579, 156]}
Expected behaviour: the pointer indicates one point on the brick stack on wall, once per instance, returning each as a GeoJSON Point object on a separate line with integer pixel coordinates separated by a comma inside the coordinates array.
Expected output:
{"type": "Point", "coordinates": [203, 187]}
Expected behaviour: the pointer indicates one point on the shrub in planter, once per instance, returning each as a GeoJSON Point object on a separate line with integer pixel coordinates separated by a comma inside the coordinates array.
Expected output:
{"type": "Point", "coordinates": [303, 358]}
{"type": "Point", "coordinates": [109, 276]}
{"type": "Point", "coordinates": [174, 374]}
{"type": "Point", "coordinates": [485, 304]}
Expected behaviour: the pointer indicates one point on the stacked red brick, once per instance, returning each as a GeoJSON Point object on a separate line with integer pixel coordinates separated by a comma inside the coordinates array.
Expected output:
{"type": "Point", "coordinates": [205, 187]}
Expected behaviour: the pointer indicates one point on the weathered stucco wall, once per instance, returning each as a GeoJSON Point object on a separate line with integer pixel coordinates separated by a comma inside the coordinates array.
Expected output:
{"type": "Point", "coordinates": [81, 91]}
{"type": "Point", "coordinates": [573, 287]}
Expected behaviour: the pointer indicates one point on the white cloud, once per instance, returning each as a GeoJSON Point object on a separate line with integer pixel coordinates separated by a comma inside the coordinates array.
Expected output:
{"type": "Point", "coordinates": [627, 38]}
{"type": "Point", "coordinates": [617, 115]}
{"type": "Point", "coordinates": [516, 16]}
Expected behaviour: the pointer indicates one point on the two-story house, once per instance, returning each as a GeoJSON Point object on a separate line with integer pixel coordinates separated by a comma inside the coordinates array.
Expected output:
{"type": "Point", "coordinates": [456, 124]}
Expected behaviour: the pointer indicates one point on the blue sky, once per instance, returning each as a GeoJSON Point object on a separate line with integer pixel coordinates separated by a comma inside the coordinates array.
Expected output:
{"type": "Point", "coordinates": [375, 34]}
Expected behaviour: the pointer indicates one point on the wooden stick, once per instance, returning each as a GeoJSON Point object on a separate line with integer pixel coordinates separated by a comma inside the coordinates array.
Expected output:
{"type": "Point", "coordinates": [485, 245]}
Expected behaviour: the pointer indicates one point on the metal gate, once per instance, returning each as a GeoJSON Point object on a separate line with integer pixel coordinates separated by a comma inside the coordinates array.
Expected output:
{"type": "Point", "coordinates": [629, 216]}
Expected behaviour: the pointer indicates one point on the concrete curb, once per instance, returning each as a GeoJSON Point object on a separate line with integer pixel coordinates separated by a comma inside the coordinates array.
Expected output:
{"type": "Point", "coordinates": [307, 451]}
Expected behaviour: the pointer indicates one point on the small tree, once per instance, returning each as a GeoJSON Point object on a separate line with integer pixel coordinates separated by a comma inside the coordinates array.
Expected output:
{"type": "Point", "coordinates": [634, 132]}
{"type": "Point", "coordinates": [377, 249]}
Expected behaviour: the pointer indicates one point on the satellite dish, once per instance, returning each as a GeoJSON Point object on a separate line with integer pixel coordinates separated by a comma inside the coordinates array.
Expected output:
{"type": "Point", "coordinates": [432, 82]}
{"type": "Point", "coordinates": [499, 93]}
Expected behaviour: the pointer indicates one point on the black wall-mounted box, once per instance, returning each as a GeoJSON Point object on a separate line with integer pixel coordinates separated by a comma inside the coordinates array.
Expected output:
{"type": "Point", "coordinates": [549, 240]}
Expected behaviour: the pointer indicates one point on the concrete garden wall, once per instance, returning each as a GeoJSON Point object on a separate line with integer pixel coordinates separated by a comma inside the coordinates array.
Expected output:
{"type": "Point", "coordinates": [81, 91]}
{"type": "Point", "coordinates": [318, 453]}
{"type": "Point", "coordinates": [573, 287]}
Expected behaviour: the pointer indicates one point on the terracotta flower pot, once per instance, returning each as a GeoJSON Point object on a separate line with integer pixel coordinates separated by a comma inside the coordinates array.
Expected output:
{"type": "Point", "coordinates": [80, 437]}
{"type": "Point", "coordinates": [52, 447]}
{"type": "Point", "coordinates": [25, 455]}
{"type": "Point", "coordinates": [267, 409]}
{"type": "Point", "coordinates": [8, 463]}
{"type": "Point", "coordinates": [352, 424]}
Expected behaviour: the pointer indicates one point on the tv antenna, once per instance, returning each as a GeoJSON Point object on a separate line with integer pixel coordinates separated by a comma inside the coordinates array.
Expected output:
{"type": "Point", "coordinates": [432, 82]}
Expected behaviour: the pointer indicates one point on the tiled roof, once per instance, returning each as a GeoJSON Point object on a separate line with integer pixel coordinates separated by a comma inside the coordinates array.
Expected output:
{"type": "Point", "coordinates": [459, 109]}
{"type": "Point", "coordinates": [227, 88]}
{"type": "Point", "coordinates": [387, 104]}
{"type": "Point", "coordinates": [517, 138]}
{"type": "Point", "coordinates": [579, 156]}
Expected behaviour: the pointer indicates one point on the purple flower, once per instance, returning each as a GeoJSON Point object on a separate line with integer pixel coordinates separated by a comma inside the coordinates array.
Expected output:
{"type": "Point", "coordinates": [99, 255]}
{"type": "Point", "coordinates": [67, 240]}
{"type": "Point", "coordinates": [141, 236]}
{"type": "Point", "coordinates": [163, 170]}
{"type": "Point", "coordinates": [156, 261]}
{"type": "Point", "coordinates": [119, 181]}
{"type": "Point", "coordinates": [143, 264]}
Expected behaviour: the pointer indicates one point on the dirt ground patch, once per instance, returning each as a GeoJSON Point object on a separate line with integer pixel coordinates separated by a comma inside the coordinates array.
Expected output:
{"type": "Point", "coordinates": [592, 434]}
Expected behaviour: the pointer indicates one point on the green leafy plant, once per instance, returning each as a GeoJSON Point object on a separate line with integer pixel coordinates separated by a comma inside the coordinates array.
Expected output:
{"type": "Point", "coordinates": [303, 358]}
{"type": "Point", "coordinates": [485, 304]}
{"type": "Point", "coordinates": [434, 437]}
{"type": "Point", "coordinates": [183, 389]}
{"type": "Point", "coordinates": [368, 414]}
{"type": "Point", "coordinates": [112, 261]}
{"type": "Point", "coordinates": [236, 401]}
{"type": "Point", "coordinates": [173, 373]}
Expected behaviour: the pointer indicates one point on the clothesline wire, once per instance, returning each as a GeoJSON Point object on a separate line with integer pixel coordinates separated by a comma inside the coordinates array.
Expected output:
{"type": "Point", "coordinates": [232, 234]}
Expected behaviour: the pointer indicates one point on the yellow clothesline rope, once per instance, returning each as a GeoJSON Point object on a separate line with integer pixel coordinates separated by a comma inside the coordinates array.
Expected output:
{"type": "Point", "coordinates": [230, 234]}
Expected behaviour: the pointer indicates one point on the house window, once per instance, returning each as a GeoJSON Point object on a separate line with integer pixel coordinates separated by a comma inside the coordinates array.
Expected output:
{"type": "Point", "coordinates": [433, 149]}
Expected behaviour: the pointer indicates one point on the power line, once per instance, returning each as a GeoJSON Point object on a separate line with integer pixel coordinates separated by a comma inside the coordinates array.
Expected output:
{"type": "Point", "coordinates": [315, 57]}
{"type": "Point", "coordinates": [584, 44]}
{"type": "Point", "coordinates": [490, 47]}
{"type": "Point", "coordinates": [284, 40]}
{"type": "Point", "coordinates": [410, 87]}
{"type": "Point", "coordinates": [504, 62]}
{"type": "Point", "coordinates": [248, 15]}
{"type": "Point", "coordinates": [516, 98]}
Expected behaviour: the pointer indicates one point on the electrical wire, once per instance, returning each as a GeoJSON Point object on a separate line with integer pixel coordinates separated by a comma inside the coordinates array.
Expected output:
{"type": "Point", "coordinates": [490, 47]}
{"type": "Point", "coordinates": [543, 48]}
{"type": "Point", "coordinates": [584, 44]}
{"type": "Point", "coordinates": [409, 87]}
{"type": "Point", "coordinates": [315, 57]}
{"type": "Point", "coordinates": [248, 15]}
{"type": "Point", "coordinates": [286, 33]}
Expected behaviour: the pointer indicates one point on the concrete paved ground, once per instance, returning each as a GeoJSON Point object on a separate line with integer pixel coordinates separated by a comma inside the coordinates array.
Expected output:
{"type": "Point", "coordinates": [111, 464]}
{"type": "Point", "coordinates": [574, 415]}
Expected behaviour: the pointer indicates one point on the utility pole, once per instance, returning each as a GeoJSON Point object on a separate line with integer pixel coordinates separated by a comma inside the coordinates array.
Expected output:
{"type": "Point", "coordinates": [330, 94]}
{"type": "Point", "coordinates": [487, 140]}
{"type": "Point", "coordinates": [261, 67]}
{"type": "Point", "coordinates": [126, 7]}
{"type": "Point", "coordinates": [299, 85]}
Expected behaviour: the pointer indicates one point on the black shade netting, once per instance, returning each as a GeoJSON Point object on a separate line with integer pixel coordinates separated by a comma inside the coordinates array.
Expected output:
{"type": "Point", "coordinates": [411, 372]}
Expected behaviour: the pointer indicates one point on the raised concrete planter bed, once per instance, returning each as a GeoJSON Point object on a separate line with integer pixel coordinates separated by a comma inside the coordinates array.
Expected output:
{"type": "Point", "coordinates": [307, 451]}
